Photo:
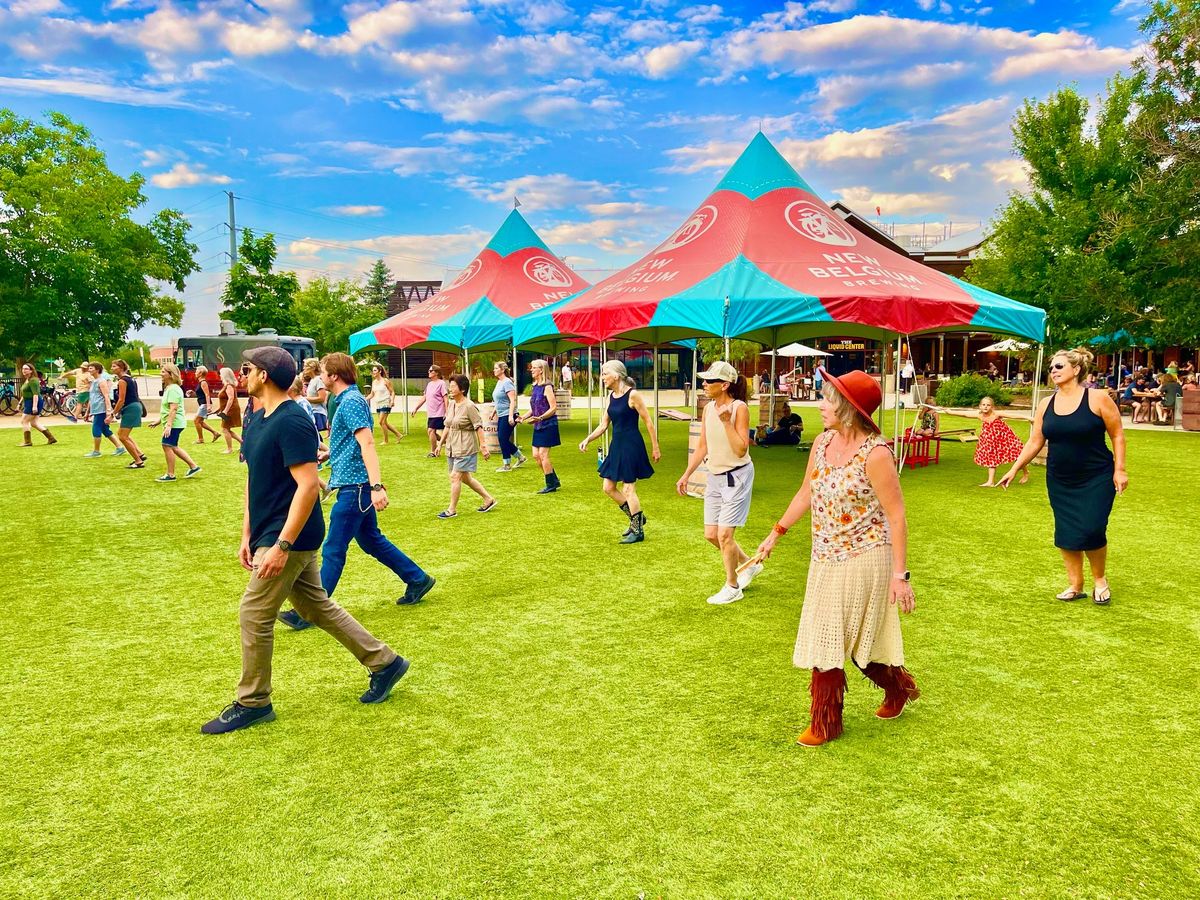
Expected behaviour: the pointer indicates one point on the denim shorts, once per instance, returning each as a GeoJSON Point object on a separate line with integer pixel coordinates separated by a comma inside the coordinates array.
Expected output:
{"type": "Point", "coordinates": [468, 463]}
{"type": "Point", "coordinates": [99, 426]}
{"type": "Point", "coordinates": [172, 439]}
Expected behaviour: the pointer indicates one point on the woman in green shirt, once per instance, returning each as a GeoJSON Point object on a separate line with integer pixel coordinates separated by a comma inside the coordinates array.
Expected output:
{"type": "Point", "coordinates": [31, 406]}
{"type": "Point", "coordinates": [173, 422]}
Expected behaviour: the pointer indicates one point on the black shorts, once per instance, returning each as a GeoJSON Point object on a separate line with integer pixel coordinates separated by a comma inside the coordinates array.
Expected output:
{"type": "Point", "coordinates": [437, 423]}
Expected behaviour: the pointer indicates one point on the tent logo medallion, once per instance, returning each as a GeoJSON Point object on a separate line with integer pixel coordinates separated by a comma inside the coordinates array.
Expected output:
{"type": "Point", "coordinates": [546, 272]}
{"type": "Point", "coordinates": [811, 221]}
{"type": "Point", "coordinates": [468, 273]}
{"type": "Point", "coordinates": [698, 224]}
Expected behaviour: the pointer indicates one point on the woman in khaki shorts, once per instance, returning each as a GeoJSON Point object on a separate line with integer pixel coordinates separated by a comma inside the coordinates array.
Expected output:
{"type": "Point", "coordinates": [725, 441]}
{"type": "Point", "coordinates": [462, 440]}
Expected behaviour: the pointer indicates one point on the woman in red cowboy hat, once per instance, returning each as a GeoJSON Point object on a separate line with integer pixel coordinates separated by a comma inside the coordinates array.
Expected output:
{"type": "Point", "coordinates": [858, 578]}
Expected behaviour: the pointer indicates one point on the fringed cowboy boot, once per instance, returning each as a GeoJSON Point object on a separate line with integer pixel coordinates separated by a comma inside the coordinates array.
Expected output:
{"type": "Point", "coordinates": [898, 685]}
{"type": "Point", "coordinates": [828, 691]}
{"type": "Point", "coordinates": [625, 509]}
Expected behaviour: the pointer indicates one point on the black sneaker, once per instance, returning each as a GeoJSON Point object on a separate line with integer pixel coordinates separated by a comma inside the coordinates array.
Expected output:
{"type": "Point", "coordinates": [384, 680]}
{"type": "Point", "coordinates": [236, 716]}
{"type": "Point", "coordinates": [293, 620]}
{"type": "Point", "coordinates": [415, 592]}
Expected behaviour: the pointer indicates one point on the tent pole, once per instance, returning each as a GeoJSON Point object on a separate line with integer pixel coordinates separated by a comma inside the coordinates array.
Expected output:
{"type": "Point", "coordinates": [1037, 380]}
{"type": "Point", "coordinates": [695, 372]}
{"type": "Point", "coordinates": [656, 383]}
{"type": "Point", "coordinates": [590, 426]}
{"type": "Point", "coordinates": [404, 386]}
{"type": "Point", "coordinates": [896, 369]}
{"type": "Point", "coordinates": [774, 357]}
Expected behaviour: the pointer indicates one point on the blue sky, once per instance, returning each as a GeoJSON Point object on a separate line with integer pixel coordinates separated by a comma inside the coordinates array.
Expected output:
{"type": "Point", "coordinates": [403, 129]}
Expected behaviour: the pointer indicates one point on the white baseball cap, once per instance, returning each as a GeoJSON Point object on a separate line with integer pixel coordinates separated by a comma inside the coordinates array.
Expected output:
{"type": "Point", "coordinates": [719, 371]}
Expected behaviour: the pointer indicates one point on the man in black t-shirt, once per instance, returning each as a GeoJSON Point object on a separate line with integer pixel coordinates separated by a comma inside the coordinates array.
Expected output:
{"type": "Point", "coordinates": [282, 531]}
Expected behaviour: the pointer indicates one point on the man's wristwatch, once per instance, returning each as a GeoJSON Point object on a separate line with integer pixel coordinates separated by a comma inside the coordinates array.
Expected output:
{"type": "Point", "coordinates": [378, 487]}
{"type": "Point", "coordinates": [285, 546]}
{"type": "Point", "coordinates": [906, 575]}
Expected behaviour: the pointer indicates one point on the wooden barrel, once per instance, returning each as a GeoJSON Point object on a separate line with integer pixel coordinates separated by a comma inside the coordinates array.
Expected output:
{"type": "Point", "coordinates": [1190, 414]}
{"type": "Point", "coordinates": [491, 436]}
{"type": "Point", "coordinates": [701, 402]}
{"type": "Point", "coordinates": [765, 415]}
{"type": "Point", "coordinates": [698, 482]}
{"type": "Point", "coordinates": [563, 399]}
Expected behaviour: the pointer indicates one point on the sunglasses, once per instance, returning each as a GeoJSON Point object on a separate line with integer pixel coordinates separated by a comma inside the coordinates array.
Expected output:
{"type": "Point", "coordinates": [1054, 367]}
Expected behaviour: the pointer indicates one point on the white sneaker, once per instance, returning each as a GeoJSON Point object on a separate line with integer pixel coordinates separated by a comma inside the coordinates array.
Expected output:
{"type": "Point", "coordinates": [748, 574]}
{"type": "Point", "coordinates": [504, 469]}
{"type": "Point", "coordinates": [726, 594]}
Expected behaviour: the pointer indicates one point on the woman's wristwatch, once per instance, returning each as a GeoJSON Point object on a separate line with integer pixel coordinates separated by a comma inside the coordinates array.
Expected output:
{"type": "Point", "coordinates": [906, 575]}
{"type": "Point", "coordinates": [378, 487]}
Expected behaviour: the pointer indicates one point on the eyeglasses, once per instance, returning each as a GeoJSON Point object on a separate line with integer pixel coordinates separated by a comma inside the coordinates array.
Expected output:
{"type": "Point", "coordinates": [1054, 367]}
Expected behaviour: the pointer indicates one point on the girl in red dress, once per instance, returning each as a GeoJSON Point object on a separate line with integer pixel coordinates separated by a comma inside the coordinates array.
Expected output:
{"type": "Point", "coordinates": [998, 443]}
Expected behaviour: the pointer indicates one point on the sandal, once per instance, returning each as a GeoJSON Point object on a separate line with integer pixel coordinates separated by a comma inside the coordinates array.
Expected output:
{"type": "Point", "coordinates": [1069, 594]}
{"type": "Point", "coordinates": [487, 507]}
{"type": "Point", "coordinates": [1102, 596]}
{"type": "Point", "coordinates": [446, 514]}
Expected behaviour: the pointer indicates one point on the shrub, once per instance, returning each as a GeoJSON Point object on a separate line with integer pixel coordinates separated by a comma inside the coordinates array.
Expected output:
{"type": "Point", "coordinates": [968, 390]}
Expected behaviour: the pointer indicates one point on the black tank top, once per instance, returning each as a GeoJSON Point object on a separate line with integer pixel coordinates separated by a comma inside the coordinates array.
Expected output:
{"type": "Point", "coordinates": [131, 390]}
{"type": "Point", "coordinates": [624, 417]}
{"type": "Point", "coordinates": [1078, 451]}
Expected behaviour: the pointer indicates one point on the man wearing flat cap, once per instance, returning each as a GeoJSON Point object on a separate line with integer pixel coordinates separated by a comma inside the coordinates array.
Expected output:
{"type": "Point", "coordinates": [282, 530]}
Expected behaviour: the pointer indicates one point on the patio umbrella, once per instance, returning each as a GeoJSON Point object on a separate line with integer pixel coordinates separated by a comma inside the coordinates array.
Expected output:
{"type": "Point", "coordinates": [1009, 348]}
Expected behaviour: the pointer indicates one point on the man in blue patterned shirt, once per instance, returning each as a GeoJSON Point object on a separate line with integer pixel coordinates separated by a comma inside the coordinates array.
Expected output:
{"type": "Point", "coordinates": [360, 491]}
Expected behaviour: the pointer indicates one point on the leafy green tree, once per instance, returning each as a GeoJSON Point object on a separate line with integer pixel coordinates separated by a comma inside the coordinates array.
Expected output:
{"type": "Point", "coordinates": [255, 295]}
{"type": "Point", "coordinates": [77, 273]}
{"type": "Point", "coordinates": [1167, 199]}
{"type": "Point", "coordinates": [712, 349]}
{"type": "Point", "coordinates": [378, 287]}
{"type": "Point", "coordinates": [1060, 246]}
{"type": "Point", "coordinates": [329, 312]}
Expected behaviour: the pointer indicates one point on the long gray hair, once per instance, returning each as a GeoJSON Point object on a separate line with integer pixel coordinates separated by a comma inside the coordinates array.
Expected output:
{"type": "Point", "coordinates": [616, 367]}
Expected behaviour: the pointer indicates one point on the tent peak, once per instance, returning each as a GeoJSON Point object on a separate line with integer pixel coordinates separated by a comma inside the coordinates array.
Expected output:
{"type": "Point", "coordinates": [761, 169]}
{"type": "Point", "coordinates": [514, 234]}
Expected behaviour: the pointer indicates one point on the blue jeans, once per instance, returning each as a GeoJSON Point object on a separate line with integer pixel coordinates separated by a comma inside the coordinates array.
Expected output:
{"type": "Point", "coordinates": [348, 520]}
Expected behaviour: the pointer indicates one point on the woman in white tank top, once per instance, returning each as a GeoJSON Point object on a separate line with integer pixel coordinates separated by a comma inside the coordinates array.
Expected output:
{"type": "Point", "coordinates": [725, 447]}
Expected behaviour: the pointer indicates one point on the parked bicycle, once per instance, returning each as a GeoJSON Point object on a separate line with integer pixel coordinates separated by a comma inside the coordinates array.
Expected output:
{"type": "Point", "coordinates": [10, 403]}
{"type": "Point", "coordinates": [59, 400]}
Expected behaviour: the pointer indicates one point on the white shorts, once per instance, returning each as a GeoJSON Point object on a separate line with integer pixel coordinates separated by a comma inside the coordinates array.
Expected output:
{"type": "Point", "coordinates": [726, 504]}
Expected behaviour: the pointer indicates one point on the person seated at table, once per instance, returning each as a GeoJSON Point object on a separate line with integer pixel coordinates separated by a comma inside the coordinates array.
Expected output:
{"type": "Point", "coordinates": [786, 432]}
{"type": "Point", "coordinates": [1189, 383]}
{"type": "Point", "coordinates": [1169, 391]}
{"type": "Point", "coordinates": [927, 424]}
{"type": "Point", "coordinates": [1143, 399]}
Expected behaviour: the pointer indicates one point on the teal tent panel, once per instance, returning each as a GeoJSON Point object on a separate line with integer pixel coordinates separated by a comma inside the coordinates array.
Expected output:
{"type": "Point", "coordinates": [761, 169]}
{"type": "Point", "coordinates": [513, 235]}
{"type": "Point", "coordinates": [1000, 315]}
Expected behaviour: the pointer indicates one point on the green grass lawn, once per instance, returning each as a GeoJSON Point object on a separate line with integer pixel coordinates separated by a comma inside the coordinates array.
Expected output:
{"type": "Point", "coordinates": [577, 720]}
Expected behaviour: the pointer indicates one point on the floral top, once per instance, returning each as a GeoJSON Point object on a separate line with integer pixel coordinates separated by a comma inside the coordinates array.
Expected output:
{"type": "Point", "coordinates": [847, 517]}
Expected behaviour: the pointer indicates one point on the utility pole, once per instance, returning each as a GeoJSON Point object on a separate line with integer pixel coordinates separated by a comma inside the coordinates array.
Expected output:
{"type": "Point", "coordinates": [232, 223]}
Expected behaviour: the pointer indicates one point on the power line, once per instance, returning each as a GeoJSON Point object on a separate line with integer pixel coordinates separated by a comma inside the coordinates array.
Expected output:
{"type": "Point", "coordinates": [202, 202]}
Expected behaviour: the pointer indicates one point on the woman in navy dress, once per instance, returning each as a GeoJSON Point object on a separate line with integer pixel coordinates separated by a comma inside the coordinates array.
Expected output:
{"type": "Point", "coordinates": [1082, 475]}
{"type": "Point", "coordinates": [543, 413]}
{"type": "Point", "coordinates": [627, 461]}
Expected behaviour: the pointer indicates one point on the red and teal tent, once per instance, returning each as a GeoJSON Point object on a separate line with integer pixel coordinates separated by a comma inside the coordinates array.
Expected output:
{"type": "Point", "coordinates": [763, 258]}
{"type": "Point", "coordinates": [514, 274]}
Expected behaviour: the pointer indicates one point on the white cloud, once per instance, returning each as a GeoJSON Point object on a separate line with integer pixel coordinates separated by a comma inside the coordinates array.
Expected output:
{"type": "Point", "coordinates": [1009, 172]}
{"type": "Point", "coordinates": [103, 93]}
{"type": "Point", "coordinates": [1066, 61]}
{"type": "Point", "coordinates": [404, 161]}
{"type": "Point", "coordinates": [28, 8]}
{"type": "Point", "coordinates": [355, 210]}
{"type": "Point", "coordinates": [382, 26]}
{"type": "Point", "coordinates": [245, 39]}
{"type": "Point", "coordinates": [832, 6]}
{"type": "Point", "coordinates": [667, 59]}
{"type": "Point", "coordinates": [183, 175]}
{"type": "Point", "coordinates": [151, 158]}
{"type": "Point", "coordinates": [701, 15]}
{"type": "Point", "coordinates": [555, 191]}
{"type": "Point", "coordinates": [887, 42]}
{"type": "Point", "coordinates": [865, 198]}
{"type": "Point", "coordinates": [949, 171]}
{"type": "Point", "coordinates": [842, 91]}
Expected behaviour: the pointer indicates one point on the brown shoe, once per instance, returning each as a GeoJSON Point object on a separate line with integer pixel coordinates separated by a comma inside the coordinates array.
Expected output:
{"type": "Point", "coordinates": [50, 439]}
{"type": "Point", "coordinates": [828, 691]}
{"type": "Point", "coordinates": [899, 688]}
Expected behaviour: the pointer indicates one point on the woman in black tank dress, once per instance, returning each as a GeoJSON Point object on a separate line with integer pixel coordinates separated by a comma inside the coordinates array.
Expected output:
{"type": "Point", "coordinates": [627, 461]}
{"type": "Point", "coordinates": [1082, 474]}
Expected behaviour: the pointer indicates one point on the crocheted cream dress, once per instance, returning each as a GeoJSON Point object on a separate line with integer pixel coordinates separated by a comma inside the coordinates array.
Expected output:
{"type": "Point", "coordinates": [846, 611]}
